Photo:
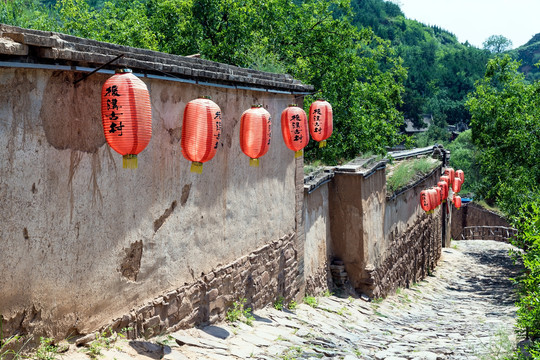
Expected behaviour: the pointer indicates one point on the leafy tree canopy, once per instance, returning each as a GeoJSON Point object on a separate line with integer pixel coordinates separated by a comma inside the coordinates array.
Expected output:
{"type": "Point", "coordinates": [464, 156]}
{"type": "Point", "coordinates": [497, 44]}
{"type": "Point", "coordinates": [314, 40]}
{"type": "Point", "coordinates": [506, 129]}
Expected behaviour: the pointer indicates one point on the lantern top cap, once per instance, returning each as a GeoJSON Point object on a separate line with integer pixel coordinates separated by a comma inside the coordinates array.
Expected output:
{"type": "Point", "coordinates": [205, 97]}
{"type": "Point", "coordinates": [256, 106]}
{"type": "Point", "coordinates": [123, 71]}
{"type": "Point", "coordinates": [321, 99]}
{"type": "Point", "coordinates": [291, 105]}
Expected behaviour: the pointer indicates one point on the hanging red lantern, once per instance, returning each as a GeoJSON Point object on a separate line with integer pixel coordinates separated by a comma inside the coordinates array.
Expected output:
{"type": "Point", "coordinates": [201, 130]}
{"type": "Point", "coordinates": [320, 121]}
{"type": "Point", "coordinates": [425, 200]}
{"type": "Point", "coordinates": [460, 174]}
{"type": "Point", "coordinates": [294, 128]}
{"type": "Point", "coordinates": [444, 187]}
{"type": "Point", "coordinates": [457, 201]}
{"type": "Point", "coordinates": [451, 175]}
{"type": "Point", "coordinates": [456, 187]}
{"type": "Point", "coordinates": [440, 194]}
{"type": "Point", "coordinates": [255, 133]}
{"type": "Point", "coordinates": [433, 197]}
{"type": "Point", "coordinates": [126, 115]}
{"type": "Point", "coordinates": [446, 179]}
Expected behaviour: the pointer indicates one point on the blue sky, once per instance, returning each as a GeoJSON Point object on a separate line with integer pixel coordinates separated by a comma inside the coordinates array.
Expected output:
{"type": "Point", "coordinates": [476, 20]}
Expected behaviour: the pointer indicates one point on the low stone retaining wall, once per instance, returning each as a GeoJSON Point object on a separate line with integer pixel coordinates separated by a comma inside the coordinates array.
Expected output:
{"type": "Point", "coordinates": [497, 233]}
{"type": "Point", "coordinates": [260, 277]}
{"type": "Point", "coordinates": [473, 215]}
{"type": "Point", "coordinates": [319, 282]}
{"type": "Point", "coordinates": [411, 257]}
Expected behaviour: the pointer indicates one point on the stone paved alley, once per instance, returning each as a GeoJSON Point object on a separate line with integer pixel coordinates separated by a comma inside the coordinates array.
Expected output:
{"type": "Point", "coordinates": [463, 311]}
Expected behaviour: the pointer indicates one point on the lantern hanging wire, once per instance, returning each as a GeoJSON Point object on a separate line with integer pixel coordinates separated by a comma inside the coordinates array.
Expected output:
{"type": "Point", "coordinates": [97, 69]}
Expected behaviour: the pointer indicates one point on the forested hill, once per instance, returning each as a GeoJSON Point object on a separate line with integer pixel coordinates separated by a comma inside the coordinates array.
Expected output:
{"type": "Point", "coordinates": [441, 71]}
{"type": "Point", "coordinates": [387, 20]}
{"type": "Point", "coordinates": [529, 55]}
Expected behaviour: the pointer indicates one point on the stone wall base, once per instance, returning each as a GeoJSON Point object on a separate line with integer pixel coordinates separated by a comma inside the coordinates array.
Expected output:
{"type": "Point", "coordinates": [260, 277]}
{"type": "Point", "coordinates": [410, 258]}
{"type": "Point", "coordinates": [319, 282]}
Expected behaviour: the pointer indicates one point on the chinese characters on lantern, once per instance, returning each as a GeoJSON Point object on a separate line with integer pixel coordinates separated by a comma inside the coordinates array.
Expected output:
{"type": "Point", "coordinates": [316, 117]}
{"type": "Point", "coordinates": [111, 93]}
{"type": "Point", "coordinates": [295, 124]}
{"type": "Point", "coordinates": [269, 124]}
{"type": "Point", "coordinates": [217, 133]}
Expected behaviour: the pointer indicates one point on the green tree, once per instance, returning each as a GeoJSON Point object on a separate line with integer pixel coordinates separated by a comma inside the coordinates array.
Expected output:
{"type": "Point", "coordinates": [122, 22]}
{"type": "Point", "coordinates": [497, 44]}
{"type": "Point", "coordinates": [313, 40]}
{"type": "Point", "coordinates": [527, 222]}
{"type": "Point", "coordinates": [506, 129]}
{"type": "Point", "coordinates": [464, 156]}
{"type": "Point", "coordinates": [172, 22]}
{"type": "Point", "coordinates": [27, 13]}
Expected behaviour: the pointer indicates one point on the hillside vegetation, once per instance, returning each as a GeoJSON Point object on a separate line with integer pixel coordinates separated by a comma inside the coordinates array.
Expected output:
{"type": "Point", "coordinates": [374, 65]}
{"type": "Point", "coordinates": [441, 71]}
{"type": "Point", "coordinates": [529, 55]}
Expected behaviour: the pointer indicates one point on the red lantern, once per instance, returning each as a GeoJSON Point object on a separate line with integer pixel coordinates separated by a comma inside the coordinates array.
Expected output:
{"type": "Point", "coordinates": [456, 187]}
{"type": "Point", "coordinates": [444, 187]}
{"type": "Point", "coordinates": [446, 179]}
{"type": "Point", "coordinates": [433, 197]}
{"type": "Point", "coordinates": [440, 194]}
{"type": "Point", "coordinates": [425, 200]}
{"type": "Point", "coordinates": [451, 175]}
{"type": "Point", "coordinates": [320, 121]}
{"type": "Point", "coordinates": [460, 174]}
{"type": "Point", "coordinates": [457, 201]}
{"type": "Point", "coordinates": [126, 115]}
{"type": "Point", "coordinates": [255, 133]}
{"type": "Point", "coordinates": [201, 130]}
{"type": "Point", "coordinates": [294, 128]}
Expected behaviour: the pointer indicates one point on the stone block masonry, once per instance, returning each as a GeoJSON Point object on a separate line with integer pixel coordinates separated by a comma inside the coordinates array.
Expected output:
{"type": "Point", "coordinates": [319, 281]}
{"type": "Point", "coordinates": [411, 257]}
{"type": "Point", "coordinates": [472, 215]}
{"type": "Point", "coordinates": [260, 277]}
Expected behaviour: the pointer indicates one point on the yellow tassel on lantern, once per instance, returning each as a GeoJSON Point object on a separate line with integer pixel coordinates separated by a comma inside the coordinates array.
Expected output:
{"type": "Point", "coordinates": [254, 162]}
{"type": "Point", "coordinates": [322, 144]}
{"type": "Point", "coordinates": [129, 161]}
{"type": "Point", "coordinates": [298, 153]}
{"type": "Point", "coordinates": [196, 167]}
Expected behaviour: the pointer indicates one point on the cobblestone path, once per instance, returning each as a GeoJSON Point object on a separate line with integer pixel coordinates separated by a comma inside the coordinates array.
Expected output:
{"type": "Point", "coordinates": [464, 311]}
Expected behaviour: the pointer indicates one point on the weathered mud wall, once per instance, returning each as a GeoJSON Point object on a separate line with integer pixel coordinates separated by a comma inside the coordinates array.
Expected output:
{"type": "Point", "coordinates": [260, 278]}
{"type": "Point", "coordinates": [412, 240]}
{"type": "Point", "coordinates": [83, 240]}
{"type": "Point", "coordinates": [317, 246]}
{"type": "Point", "coordinates": [347, 225]}
{"type": "Point", "coordinates": [384, 243]}
{"type": "Point", "coordinates": [85, 243]}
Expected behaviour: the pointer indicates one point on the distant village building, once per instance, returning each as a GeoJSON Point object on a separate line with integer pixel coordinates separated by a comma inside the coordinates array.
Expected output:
{"type": "Point", "coordinates": [457, 129]}
{"type": "Point", "coordinates": [411, 129]}
{"type": "Point", "coordinates": [454, 130]}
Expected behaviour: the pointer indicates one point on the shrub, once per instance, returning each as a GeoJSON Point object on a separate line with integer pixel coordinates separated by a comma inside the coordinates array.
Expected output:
{"type": "Point", "coordinates": [528, 223]}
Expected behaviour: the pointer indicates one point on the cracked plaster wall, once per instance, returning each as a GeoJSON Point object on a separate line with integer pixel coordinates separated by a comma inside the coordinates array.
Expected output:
{"type": "Point", "coordinates": [83, 240]}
